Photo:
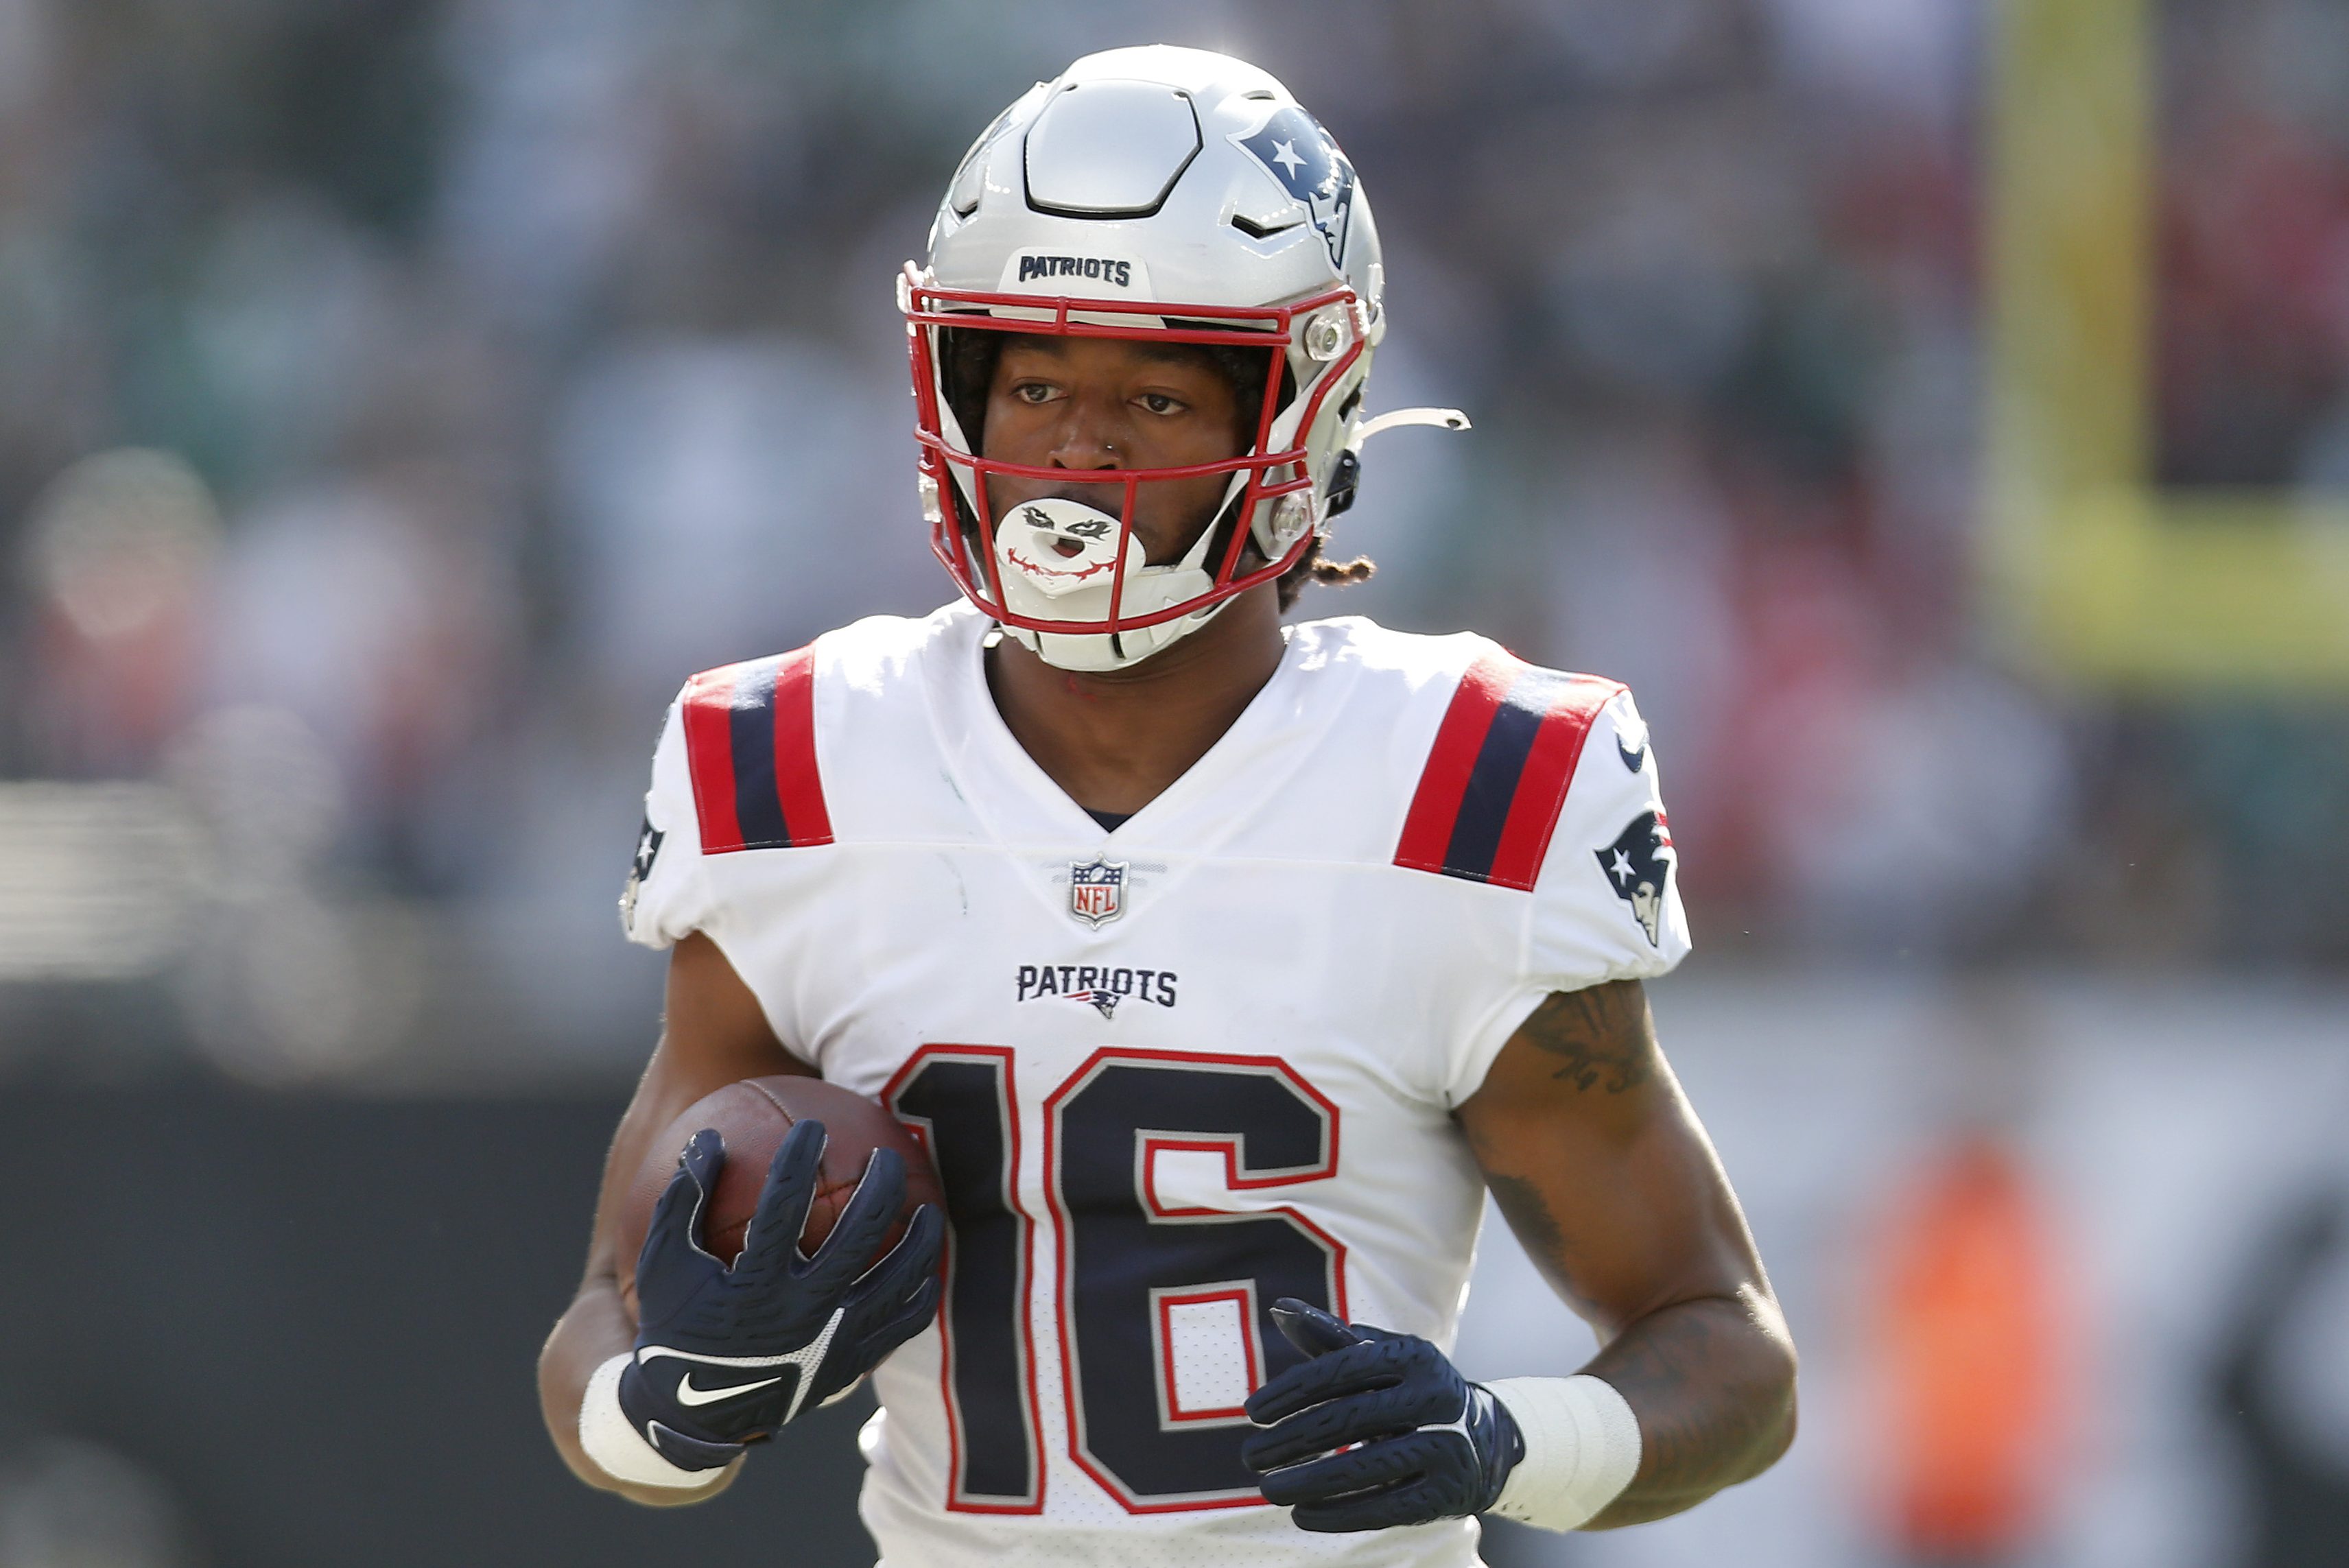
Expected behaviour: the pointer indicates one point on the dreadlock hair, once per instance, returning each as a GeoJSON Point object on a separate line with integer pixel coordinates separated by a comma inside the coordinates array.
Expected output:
{"type": "Point", "coordinates": [966, 359]}
{"type": "Point", "coordinates": [1312, 567]}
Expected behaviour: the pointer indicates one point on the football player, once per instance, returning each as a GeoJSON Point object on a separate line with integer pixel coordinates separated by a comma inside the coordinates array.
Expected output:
{"type": "Point", "coordinates": [1222, 965]}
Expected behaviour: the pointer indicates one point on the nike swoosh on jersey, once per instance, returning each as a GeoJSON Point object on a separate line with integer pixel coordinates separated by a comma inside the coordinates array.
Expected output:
{"type": "Point", "coordinates": [688, 1395]}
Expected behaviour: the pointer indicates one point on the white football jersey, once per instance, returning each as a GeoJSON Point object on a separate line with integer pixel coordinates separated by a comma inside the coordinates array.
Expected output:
{"type": "Point", "coordinates": [1168, 1073]}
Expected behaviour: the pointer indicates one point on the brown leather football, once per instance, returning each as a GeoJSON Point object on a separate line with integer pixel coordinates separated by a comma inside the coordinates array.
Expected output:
{"type": "Point", "coordinates": [753, 1116]}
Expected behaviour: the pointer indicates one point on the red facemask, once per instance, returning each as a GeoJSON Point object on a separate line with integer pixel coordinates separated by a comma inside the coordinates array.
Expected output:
{"type": "Point", "coordinates": [1123, 608]}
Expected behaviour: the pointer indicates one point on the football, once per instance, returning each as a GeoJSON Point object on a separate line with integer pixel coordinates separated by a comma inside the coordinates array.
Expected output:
{"type": "Point", "coordinates": [753, 1116]}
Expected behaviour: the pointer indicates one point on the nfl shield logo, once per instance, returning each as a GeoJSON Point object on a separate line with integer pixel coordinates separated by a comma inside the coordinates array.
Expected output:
{"type": "Point", "coordinates": [1097, 889]}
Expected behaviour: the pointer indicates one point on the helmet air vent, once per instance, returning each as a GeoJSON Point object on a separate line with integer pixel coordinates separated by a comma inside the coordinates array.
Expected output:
{"type": "Point", "coordinates": [1110, 148]}
{"type": "Point", "coordinates": [970, 180]}
{"type": "Point", "coordinates": [1255, 231]}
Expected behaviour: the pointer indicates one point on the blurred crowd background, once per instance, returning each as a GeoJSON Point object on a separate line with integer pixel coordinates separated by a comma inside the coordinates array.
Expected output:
{"type": "Point", "coordinates": [399, 397]}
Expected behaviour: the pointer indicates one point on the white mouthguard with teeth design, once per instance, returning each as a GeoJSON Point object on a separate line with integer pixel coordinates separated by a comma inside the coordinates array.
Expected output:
{"type": "Point", "coordinates": [1058, 561]}
{"type": "Point", "coordinates": [1061, 547]}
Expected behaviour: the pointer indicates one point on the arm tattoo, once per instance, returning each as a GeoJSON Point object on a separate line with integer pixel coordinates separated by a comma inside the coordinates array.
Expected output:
{"type": "Point", "coordinates": [1601, 1035]}
{"type": "Point", "coordinates": [1690, 1336]}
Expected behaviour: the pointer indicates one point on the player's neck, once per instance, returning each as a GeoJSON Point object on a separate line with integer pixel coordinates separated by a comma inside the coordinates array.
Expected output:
{"type": "Point", "coordinates": [1114, 741]}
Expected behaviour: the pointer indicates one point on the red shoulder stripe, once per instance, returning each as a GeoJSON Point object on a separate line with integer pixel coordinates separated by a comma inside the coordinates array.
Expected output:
{"type": "Point", "coordinates": [1427, 830]}
{"type": "Point", "coordinates": [796, 778]}
{"type": "Point", "coordinates": [708, 712]}
{"type": "Point", "coordinates": [1549, 774]}
{"type": "Point", "coordinates": [1496, 778]}
{"type": "Point", "coordinates": [749, 736]}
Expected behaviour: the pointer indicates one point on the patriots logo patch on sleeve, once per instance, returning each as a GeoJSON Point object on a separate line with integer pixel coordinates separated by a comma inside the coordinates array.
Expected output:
{"type": "Point", "coordinates": [1639, 867]}
{"type": "Point", "coordinates": [648, 846]}
{"type": "Point", "coordinates": [1298, 152]}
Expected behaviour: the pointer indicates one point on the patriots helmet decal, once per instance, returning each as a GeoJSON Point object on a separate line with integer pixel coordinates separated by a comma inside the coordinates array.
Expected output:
{"type": "Point", "coordinates": [1296, 151]}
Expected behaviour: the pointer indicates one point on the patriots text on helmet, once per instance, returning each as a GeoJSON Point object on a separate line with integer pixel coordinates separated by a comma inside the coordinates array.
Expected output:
{"type": "Point", "coordinates": [1093, 269]}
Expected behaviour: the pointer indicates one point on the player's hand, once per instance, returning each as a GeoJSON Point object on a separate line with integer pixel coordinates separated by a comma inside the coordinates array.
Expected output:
{"type": "Point", "coordinates": [1433, 1445]}
{"type": "Point", "coordinates": [725, 1356]}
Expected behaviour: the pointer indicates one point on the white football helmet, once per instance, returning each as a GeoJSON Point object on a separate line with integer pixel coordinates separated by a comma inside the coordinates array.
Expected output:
{"type": "Point", "coordinates": [1180, 196]}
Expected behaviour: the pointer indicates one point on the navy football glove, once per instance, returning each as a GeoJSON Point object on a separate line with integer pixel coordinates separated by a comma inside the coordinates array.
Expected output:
{"type": "Point", "coordinates": [1433, 1445]}
{"type": "Point", "coordinates": [724, 1356]}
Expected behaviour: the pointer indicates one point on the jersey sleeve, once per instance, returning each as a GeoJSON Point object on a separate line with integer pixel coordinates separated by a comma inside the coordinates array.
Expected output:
{"type": "Point", "coordinates": [1605, 903]}
{"type": "Point", "coordinates": [667, 892]}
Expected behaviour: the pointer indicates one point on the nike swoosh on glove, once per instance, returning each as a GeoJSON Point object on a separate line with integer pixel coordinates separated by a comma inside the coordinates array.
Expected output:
{"type": "Point", "coordinates": [726, 1357]}
{"type": "Point", "coordinates": [1433, 1445]}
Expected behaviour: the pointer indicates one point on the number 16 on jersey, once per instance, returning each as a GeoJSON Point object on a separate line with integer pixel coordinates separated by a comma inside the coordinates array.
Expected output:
{"type": "Point", "coordinates": [1131, 1271]}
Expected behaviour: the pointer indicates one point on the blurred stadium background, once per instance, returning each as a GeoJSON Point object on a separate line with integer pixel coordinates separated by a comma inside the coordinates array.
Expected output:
{"type": "Point", "coordinates": [1936, 410]}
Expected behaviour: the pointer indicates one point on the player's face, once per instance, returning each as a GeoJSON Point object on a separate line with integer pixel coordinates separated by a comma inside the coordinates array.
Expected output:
{"type": "Point", "coordinates": [1093, 405]}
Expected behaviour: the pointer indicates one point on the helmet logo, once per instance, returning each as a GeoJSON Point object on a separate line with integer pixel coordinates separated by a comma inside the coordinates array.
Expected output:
{"type": "Point", "coordinates": [1296, 151]}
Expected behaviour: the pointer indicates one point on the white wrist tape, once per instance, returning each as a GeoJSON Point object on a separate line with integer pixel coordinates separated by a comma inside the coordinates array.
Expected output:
{"type": "Point", "coordinates": [1582, 1448]}
{"type": "Point", "coordinates": [613, 1441]}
